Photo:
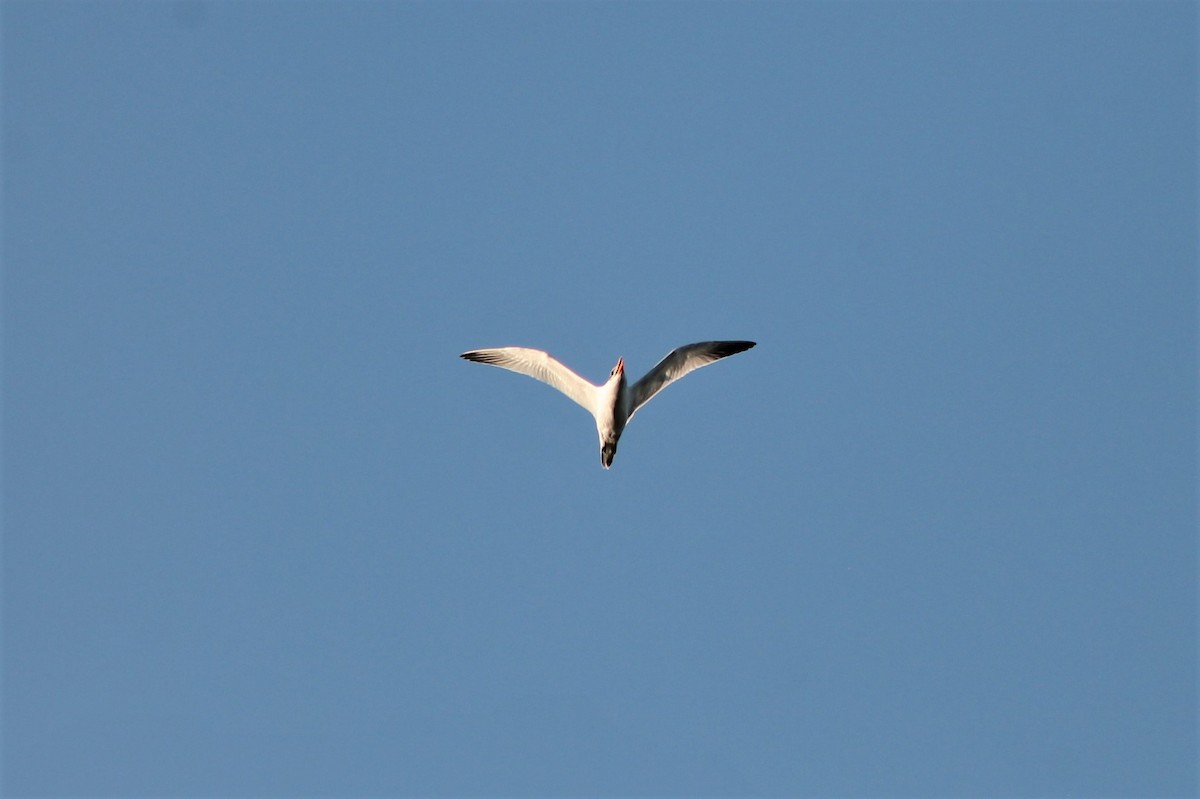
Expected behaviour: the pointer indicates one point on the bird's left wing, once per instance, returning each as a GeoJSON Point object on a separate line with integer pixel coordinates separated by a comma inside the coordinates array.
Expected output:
{"type": "Point", "coordinates": [540, 366]}
{"type": "Point", "coordinates": [680, 362]}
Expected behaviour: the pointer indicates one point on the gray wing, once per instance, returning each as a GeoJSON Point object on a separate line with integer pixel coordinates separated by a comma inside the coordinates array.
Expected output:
{"type": "Point", "coordinates": [540, 366]}
{"type": "Point", "coordinates": [682, 360]}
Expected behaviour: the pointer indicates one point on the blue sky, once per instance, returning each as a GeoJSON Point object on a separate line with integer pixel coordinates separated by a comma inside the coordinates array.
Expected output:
{"type": "Point", "coordinates": [266, 534]}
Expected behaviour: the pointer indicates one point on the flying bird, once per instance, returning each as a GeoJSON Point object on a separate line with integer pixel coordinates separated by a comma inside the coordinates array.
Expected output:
{"type": "Point", "coordinates": [614, 402]}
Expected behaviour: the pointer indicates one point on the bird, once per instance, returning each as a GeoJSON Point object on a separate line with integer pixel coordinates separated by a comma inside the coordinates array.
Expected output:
{"type": "Point", "coordinates": [614, 402]}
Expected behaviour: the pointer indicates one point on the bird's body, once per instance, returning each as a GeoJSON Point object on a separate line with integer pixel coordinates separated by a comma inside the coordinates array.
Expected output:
{"type": "Point", "coordinates": [614, 402]}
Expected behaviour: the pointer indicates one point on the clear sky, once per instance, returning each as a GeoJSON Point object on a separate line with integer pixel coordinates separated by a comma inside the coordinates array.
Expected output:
{"type": "Point", "coordinates": [265, 534]}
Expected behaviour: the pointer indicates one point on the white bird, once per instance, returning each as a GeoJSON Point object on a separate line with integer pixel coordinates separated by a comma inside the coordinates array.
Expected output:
{"type": "Point", "coordinates": [614, 403]}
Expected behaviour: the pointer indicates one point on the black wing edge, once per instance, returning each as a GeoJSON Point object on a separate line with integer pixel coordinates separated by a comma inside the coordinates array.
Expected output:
{"type": "Point", "coordinates": [480, 357]}
{"type": "Point", "coordinates": [723, 349]}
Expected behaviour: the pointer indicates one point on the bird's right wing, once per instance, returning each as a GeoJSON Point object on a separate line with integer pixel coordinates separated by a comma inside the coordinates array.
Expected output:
{"type": "Point", "coordinates": [540, 366]}
{"type": "Point", "coordinates": [680, 362]}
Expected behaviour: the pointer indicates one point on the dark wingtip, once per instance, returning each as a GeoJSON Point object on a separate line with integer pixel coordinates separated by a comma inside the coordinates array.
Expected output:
{"type": "Point", "coordinates": [727, 348]}
{"type": "Point", "coordinates": [478, 357]}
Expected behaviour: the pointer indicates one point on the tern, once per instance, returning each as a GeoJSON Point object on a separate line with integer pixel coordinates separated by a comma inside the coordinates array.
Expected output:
{"type": "Point", "coordinates": [614, 402]}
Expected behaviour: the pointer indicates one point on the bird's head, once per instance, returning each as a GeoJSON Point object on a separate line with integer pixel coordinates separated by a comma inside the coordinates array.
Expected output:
{"type": "Point", "coordinates": [619, 369]}
{"type": "Point", "coordinates": [608, 451]}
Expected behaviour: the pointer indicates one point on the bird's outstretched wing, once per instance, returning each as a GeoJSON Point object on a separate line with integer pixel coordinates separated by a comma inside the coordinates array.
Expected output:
{"type": "Point", "coordinates": [540, 366]}
{"type": "Point", "coordinates": [682, 360]}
